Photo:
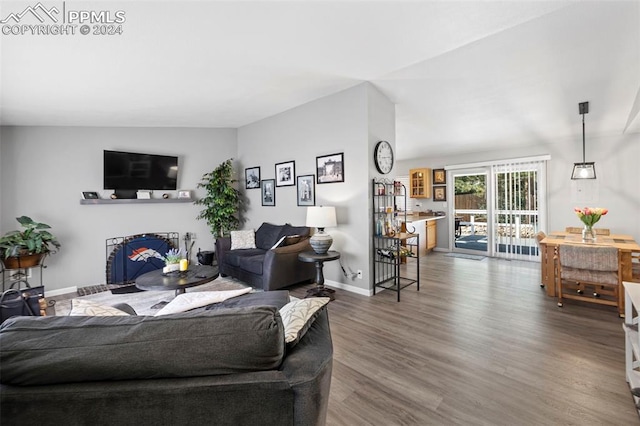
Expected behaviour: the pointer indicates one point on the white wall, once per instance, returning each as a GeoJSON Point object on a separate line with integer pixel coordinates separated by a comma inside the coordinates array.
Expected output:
{"type": "Point", "coordinates": [334, 124]}
{"type": "Point", "coordinates": [616, 156]}
{"type": "Point", "coordinates": [44, 169]}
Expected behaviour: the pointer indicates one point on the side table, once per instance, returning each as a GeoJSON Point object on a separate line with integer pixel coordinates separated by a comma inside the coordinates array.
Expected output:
{"type": "Point", "coordinates": [312, 257]}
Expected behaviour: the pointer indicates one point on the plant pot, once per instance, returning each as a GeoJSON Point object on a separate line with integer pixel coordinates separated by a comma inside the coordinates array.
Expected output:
{"type": "Point", "coordinates": [172, 267]}
{"type": "Point", "coordinates": [24, 261]}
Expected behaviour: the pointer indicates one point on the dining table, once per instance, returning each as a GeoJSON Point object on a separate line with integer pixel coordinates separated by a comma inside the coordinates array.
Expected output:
{"type": "Point", "coordinates": [549, 246]}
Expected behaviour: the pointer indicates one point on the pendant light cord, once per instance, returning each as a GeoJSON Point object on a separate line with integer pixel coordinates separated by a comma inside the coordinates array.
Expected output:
{"type": "Point", "coordinates": [584, 160]}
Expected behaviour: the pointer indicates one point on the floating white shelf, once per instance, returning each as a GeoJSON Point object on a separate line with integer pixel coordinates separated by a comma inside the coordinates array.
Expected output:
{"type": "Point", "coordinates": [135, 201]}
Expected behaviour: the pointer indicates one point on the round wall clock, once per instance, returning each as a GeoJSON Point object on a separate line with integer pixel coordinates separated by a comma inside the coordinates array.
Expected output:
{"type": "Point", "coordinates": [383, 157]}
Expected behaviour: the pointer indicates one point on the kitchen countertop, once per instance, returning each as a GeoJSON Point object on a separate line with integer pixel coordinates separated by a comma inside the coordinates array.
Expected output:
{"type": "Point", "coordinates": [417, 218]}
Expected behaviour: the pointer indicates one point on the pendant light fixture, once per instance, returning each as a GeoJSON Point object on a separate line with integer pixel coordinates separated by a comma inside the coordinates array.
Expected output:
{"type": "Point", "coordinates": [583, 170]}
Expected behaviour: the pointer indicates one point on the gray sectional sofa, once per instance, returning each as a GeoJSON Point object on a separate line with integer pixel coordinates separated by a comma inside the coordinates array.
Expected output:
{"type": "Point", "coordinates": [225, 365]}
{"type": "Point", "coordinates": [265, 266]}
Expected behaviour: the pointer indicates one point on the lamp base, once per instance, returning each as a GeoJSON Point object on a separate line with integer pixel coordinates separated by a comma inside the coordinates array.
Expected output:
{"type": "Point", "coordinates": [321, 242]}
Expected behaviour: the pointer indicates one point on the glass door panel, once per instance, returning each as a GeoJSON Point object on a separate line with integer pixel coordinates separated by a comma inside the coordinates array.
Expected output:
{"type": "Point", "coordinates": [516, 211]}
{"type": "Point", "coordinates": [472, 232]}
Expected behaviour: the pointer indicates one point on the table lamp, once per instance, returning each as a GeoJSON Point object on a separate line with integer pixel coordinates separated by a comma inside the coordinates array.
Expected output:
{"type": "Point", "coordinates": [321, 217]}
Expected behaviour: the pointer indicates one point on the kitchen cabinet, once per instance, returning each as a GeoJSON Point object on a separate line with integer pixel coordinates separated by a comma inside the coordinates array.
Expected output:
{"type": "Point", "coordinates": [420, 183]}
{"type": "Point", "coordinates": [425, 227]}
{"type": "Point", "coordinates": [432, 234]}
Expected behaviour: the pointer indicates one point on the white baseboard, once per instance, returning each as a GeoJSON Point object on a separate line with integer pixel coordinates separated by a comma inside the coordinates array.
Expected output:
{"type": "Point", "coordinates": [60, 291]}
{"type": "Point", "coordinates": [352, 289]}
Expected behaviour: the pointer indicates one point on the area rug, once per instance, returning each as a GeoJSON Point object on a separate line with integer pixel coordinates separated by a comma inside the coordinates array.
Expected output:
{"type": "Point", "coordinates": [466, 256]}
{"type": "Point", "coordinates": [147, 302]}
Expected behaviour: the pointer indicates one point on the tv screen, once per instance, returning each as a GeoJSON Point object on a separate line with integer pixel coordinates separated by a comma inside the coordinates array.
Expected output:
{"type": "Point", "coordinates": [131, 171]}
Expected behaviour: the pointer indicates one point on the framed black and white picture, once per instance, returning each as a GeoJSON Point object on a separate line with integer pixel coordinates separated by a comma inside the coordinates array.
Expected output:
{"type": "Point", "coordinates": [330, 168]}
{"type": "Point", "coordinates": [252, 177]}
{"type": "Point", "coordinates": [286, 173]}
{"type": "Point", "coordinates": [306, 190]}
{"type": "Point", "coordinates": [268, 190]}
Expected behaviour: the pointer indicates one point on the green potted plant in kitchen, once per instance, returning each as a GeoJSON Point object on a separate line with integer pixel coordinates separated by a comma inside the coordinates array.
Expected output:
{"type": "Point", "coordinates": [26, 248]}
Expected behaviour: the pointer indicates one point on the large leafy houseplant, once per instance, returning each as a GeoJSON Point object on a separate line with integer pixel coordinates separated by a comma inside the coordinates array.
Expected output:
{"type": "Point", "coordinates": [34, 239]}
{"type": "Point", "coordinates": [222, 203]}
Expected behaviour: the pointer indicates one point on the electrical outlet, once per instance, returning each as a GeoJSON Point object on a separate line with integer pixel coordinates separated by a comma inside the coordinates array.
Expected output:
{"type": "Point", "coordinates": [359, 274]}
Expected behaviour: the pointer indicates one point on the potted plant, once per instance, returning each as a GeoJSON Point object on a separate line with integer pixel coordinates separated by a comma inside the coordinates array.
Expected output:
{"type": "Point", "coordinates": [222, 202]}
{"type": "Point", "coordinates": [24, 249]}
{"type": "Point", "coordinates": [172, 260]}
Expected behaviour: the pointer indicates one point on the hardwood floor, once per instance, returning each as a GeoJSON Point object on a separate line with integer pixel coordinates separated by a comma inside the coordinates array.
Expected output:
{"type": "Point", "coordinates": [479, 344]}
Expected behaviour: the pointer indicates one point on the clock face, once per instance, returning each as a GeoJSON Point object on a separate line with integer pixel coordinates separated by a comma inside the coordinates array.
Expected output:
{"type": "Point", "coordinates": [383, 157]}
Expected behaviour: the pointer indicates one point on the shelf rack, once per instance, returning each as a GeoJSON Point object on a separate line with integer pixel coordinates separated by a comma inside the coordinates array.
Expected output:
{"type": "Point", "coordinates": [389, 238]}
{"type": "Point", "coordinates": [632, 336]}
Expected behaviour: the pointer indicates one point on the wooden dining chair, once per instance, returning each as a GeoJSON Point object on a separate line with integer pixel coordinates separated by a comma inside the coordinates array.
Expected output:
{"type": "Point", "coordinates": [635, 266]}
{"type": "Point", "coordinates": [578, 230]}
{"type": "Point", "coordinates": [543, 253]}
{"type": "Point", "coordinates": [596, 267]}
{"type": "Point", "coordinates": [573, 230]}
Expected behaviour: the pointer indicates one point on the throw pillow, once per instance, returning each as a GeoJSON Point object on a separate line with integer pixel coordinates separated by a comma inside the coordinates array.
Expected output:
{"type": "Point", "coordinates": [243, 240]}
{"type": "Point", "coordinates": [187, 301]}
{"type": "Point", "coordinates": [298, 315]}
{"type": "Point", "coordinates": [279, 243]}
{"type": "Point", "coordinates": [287, 240]}
{"type": "Point", "coordinates": [292, 239]}
{"type": "Point", "coordinates": [296, 230]}
{"type": "Point", "coordinates": [87, 308]}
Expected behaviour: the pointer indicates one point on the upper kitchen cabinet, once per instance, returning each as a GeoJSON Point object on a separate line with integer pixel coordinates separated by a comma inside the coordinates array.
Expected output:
{"type": "Point", "coordinates": [420, 183]}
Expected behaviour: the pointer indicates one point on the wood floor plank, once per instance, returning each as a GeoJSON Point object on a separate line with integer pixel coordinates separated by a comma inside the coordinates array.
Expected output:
{"type": "Point", "coordinates": [480, 344]}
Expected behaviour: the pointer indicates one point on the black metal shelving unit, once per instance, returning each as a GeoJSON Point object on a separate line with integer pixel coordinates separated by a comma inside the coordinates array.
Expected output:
{"type": "Point", "coordinates": [389, 238]}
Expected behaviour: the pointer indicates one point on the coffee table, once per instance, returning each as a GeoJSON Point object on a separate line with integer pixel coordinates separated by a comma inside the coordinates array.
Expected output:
{"type": "Point", "coordinates": [178, 281]}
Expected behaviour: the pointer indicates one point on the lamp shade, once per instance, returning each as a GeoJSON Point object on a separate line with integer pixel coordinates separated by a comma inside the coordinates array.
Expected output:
{"type": "Point", "coordinates": [321, 217]}
{"type": "Point", "coordinates": [584, 171]}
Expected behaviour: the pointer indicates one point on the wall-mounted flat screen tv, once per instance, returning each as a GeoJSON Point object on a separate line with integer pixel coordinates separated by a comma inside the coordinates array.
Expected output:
{"type": "Point", "coordinates": [133, 171]}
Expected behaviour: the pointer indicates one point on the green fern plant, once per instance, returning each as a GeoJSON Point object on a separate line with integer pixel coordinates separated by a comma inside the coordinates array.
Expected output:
{"type": "Point", "coordinates": [223, 203]}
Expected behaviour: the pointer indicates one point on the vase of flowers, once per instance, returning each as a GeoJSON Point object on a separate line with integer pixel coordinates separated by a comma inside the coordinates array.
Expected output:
{"type": "Point", "coordinates": [589, 217]}
{"type": "Point", "coordinates": [172, 261]}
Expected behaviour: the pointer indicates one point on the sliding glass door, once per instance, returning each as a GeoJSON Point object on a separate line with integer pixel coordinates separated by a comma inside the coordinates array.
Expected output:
{"type": "Point", "coordinates": [471, 192]}
{"type": "Point", "coordinates": [517, 205]}
{"type": "Point", "coordinates": [498, 208]}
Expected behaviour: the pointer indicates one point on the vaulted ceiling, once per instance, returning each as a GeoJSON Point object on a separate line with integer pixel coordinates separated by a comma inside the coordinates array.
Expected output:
{"type": "Point", "coordinates": [464, 75]}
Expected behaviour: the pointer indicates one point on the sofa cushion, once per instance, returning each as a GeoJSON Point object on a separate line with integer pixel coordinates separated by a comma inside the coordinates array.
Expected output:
{"type": "Point", "coordinates": [87, 308]}
{"type": "Point", "coordinates": [233, 257]}
{"type": "Point", "coordinates": [243, 240]}
{"type": "Point", "coordinates": [267, 235]}
{"type": "Point", "coordinates": [46, 350]}
{"type": "Point", "coordinates": [277, 298]}
{"type": "Point", "coordinates": [252, 264]}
